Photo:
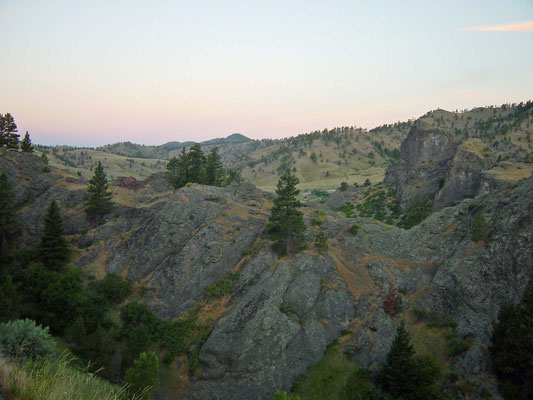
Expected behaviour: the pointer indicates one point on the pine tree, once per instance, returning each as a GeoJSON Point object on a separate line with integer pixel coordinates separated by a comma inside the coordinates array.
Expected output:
{"type": "Point", "coordinates": [286, 222]}
{"type": "Point", "coordinates": [397, 376]}
{"type": "Point", "coordinates": [143, 376]}
{"type": "Point", "coordinates": [53, 249]}
{"type": "Point", "coordinates": [8, 131]}
{"type": "Point", "coordinates": [196, 164]}
{"type": "Point", "coordinates": [8, 215]}
{"type": "Point", "coordinates": [99, 202]}
{"type": "Point", "coordinates": [25, 144]}
{"type": "Point", "coordinates": [173, 173]}
{"type": "Point", "coordinates": [44, 158]}
{"type": "Point", "coordinates": [214, 168]}
{"type": "Point", "coordinates": [321, 242]}
{"type": "Point", "coordinates": [405, 376]}
{"type": "Point", "coordinates": [512, 348]}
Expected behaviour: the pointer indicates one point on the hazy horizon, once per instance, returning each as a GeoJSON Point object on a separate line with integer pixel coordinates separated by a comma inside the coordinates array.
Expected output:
{"type": "Point", "coordinates": [96, 73]}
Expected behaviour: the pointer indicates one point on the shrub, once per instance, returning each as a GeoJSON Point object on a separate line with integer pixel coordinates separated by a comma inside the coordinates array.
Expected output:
{"type": "Point", "coordinates": [417, 213]}
{"type": "Point", "coordinates": [390, 305]}
{"type": "Point", "coordinates": [143, 376]}
{"type": "Point", "coordinates": [281, 395]}
{"type": "Point", "coordinates": [354, 229]}
{"type": "Point", "coordinates": [433, 319]}
{"type": "Point", "coordinates": [343, 187]}
{"type": "Point", "coordinates": [25, 338]}
{"type": "Point", "coordinates": [480, 227]}
{"type": "Point", "coordinates": [115, 289]}
{"type": "Point", "coordinates": [223, 287]}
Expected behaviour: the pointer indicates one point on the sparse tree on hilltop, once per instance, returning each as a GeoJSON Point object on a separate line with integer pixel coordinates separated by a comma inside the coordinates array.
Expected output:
{"type": "Point", "coordinates": [8, 132]}
{"type": "Point", "coordinates": [214, 169]}
{"type": "Point", "coordinates": [25, 144]}
{"type": "Point", "coordinates": [99, 202]}
{"type": "Point", "coordinates": [196, 164]}
{"type": "Point", "coordinates": [286, 222]}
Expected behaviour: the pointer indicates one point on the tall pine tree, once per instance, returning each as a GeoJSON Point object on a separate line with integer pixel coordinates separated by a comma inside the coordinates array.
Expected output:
{"type": "Point", "coordinates": [99, 202]}
{"type": "Point", "coordinates": [405, 376]}
{"type": "Point", "coordinates": [25, 144]}
{"type": "Point", "coordinates": [8, 215]}
{"type": "Point", "coordinates": [214, 169]}
{"type": "Point", "coordinates": [286, 222]}
{"type": "Point", "coordinates": [53, 249]}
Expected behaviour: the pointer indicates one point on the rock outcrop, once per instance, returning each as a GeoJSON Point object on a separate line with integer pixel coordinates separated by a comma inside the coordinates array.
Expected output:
{"type": "Point", "coordinates": [285, 312]}
{"type": "Point", "coordinates": [281, 325]}
{"type": "Point", "coordinates": [434, 164]}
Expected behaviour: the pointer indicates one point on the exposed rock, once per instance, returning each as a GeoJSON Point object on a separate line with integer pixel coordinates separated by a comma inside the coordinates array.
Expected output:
{"type": "Point", "coordinates": [282, 324]}
{"type": "Point", "coordinates": [425, 159]}
{"type": "Point", "coordinates": [339, 198]}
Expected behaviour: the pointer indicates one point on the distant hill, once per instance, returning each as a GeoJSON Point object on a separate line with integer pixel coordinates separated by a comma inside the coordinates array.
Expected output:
{"type": "Point", "coordinates": [323, 159]}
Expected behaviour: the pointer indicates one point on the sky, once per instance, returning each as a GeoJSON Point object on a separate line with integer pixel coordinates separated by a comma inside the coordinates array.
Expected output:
{"type": "Point", "coordinates": [89, 73]}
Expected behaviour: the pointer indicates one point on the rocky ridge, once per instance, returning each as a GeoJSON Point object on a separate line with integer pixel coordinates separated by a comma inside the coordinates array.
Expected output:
{"type": "Point", "coordinates": [285, 313]}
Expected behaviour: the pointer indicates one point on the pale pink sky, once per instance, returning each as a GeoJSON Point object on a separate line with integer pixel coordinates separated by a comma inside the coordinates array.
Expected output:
{"type": "Point", "coordinates": [150, 72]}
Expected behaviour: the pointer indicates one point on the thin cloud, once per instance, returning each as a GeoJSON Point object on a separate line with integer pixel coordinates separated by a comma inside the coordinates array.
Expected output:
{"type": "Point", "coordinates": [526, 26]}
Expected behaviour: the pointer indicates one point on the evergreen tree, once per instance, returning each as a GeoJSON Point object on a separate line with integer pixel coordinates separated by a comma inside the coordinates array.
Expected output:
{"type": "Point", "coordinates": [25, 144]}
{"type": "Point", "coordinates": [8, 216]}
{"type": "Point", "coordinates": [44, 158]}
{"type": "Point", "coordinates": [143, 376]}
{"type": "Point", "coordinates": [512, 348]}
{"type": "Point", "coordinates": [405, 376]}
{"type": "Point", "coordinates": [53, 249]}
{"type": "Point", "coordinates": [9, 299]}
{"type": "Point", "coordinates": [286, 222]}
{"type": "Point", "coordinates": [214, 169]}
{"type": "Point", "coordinates": [196, 164]}
{"type": "Point", "coordinates": [99, 202]}
{"type": "Point", "coordinates": [8, 131]}
{"type": "Point", "coordinates": [173, 173]}
{"type": "Point", "coordinates": [321, 242]}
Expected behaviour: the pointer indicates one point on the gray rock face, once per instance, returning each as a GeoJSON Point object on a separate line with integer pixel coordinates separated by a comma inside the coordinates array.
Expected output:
{"type": "Point", "coordinates": [339, 198]}
{"type": "Point", "coordinates": [189, 242]}
{"type": "Point", "coordinates": [281, 325]}
{"type": "Point", "coordinates": [425, 158]}
{"type": "Point", "coordinates": [433, 165]}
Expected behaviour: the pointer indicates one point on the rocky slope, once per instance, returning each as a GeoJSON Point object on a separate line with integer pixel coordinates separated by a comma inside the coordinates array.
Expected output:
{"type": "Point", "coordinates": [284, 313]}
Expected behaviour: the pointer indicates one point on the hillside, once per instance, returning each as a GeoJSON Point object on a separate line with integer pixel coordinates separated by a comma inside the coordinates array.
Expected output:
{"type": "Point", "coordinates": [324, 159]}
{"type": "Point", "coordinates": [253, 323]}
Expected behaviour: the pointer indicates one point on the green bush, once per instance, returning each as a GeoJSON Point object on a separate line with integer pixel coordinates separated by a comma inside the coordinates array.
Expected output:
{"type": "Point", "coordinates": [457, 346]}
{"type": "Point", "coordinates": [433, 319]}
{"type": "Point", "coordinates": [480, 227]}
{"type": "Point", "coordinates": [143, 376]}
{"type": "Point", "coordinates": [114, 288]}
{"type": "Point", "coordinates": [223, 287]}
{"type": "Point", "coordinates": [25, 338]}
{"type": "Point", "coordinates": [281, 395]}
{"type": "Point", "coordinates": [419, 211]}
{"type": "Point", "coordinates": [354, 229]}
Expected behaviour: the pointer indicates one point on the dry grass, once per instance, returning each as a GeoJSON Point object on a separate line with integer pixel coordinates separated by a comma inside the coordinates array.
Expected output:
{"type": "Point", "coordinates": [513, 172]}
{"type": "Point", "coordinates": [54, 379]}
